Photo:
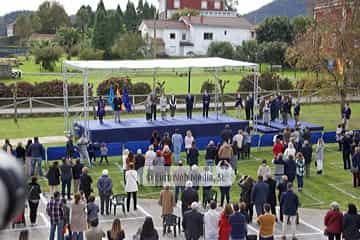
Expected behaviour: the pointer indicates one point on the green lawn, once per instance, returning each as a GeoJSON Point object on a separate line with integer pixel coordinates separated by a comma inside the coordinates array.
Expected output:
{"type": "Point", "coordinates": [319, 191]}
{"type": "Point", "coordinates": [324, 114]}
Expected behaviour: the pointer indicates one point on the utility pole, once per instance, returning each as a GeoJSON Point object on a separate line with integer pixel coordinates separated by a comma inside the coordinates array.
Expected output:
{"type": "Point", "coordinates": [154, 45]}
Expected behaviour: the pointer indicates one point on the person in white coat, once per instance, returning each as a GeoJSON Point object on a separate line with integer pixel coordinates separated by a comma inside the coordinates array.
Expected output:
{"type": "Point", "coordinates": [83, 152]}
{"type": "Point", "coordinates": [320, 156]}
{"type": "Point", "coordinates": [131, 186]}
{"type": "Point", "coordinates": [163, 106]}
{"type": "Point", "coordinates": [290, 151]}
{"type": "Point", "coordinates": [211, 222]}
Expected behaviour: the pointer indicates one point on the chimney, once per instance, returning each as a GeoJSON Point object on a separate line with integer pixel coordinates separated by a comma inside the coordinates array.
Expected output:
{"type": "Point", "coordinates": [202, 19]}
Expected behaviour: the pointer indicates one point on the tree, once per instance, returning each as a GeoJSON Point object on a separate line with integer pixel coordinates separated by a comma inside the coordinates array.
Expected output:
{"type": "Point", "coordinates": [52, 16]}
{"type": "Point", "coordinates": [23, 28]}
{"type": "Point", "coordinates": [84, 19]}
{"type": "Point", "coordinates": [274, 52]}
{"type": "Point", "coordinates": [129, 46]}
{"type": "Point", "coordinates": [35, 22]}
{"type": "Point", "coordinates": [100, 39]}
{"type": "Point", "coordinates": [47, 54]}
{"type": "Point", "coordinates": [301, 24]}
{"type": "Point", "coordinates": [68, 39]}
{"type": "Point", "coordinates": [130, 17]}
{"type": "Point", "coordinates": [147, 11]}
{"type": "Point", "coordinates": [114, 26]}
{"type": "Point", "coordinates": [249, 51]}
{"type": "Point", "coordinates": [221, 49]}
{"type": "Point", "coordinates": [275, 29]}
{"type": "Point", "coordinates": [185, 12]}
{"type": "Point", "coordinates": [331, 47]}
{"type": "Point", "coordinates": [140, 10]}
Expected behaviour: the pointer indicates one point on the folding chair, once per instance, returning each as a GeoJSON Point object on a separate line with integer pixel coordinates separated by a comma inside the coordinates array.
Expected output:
{"type": "Point", "coordinates": [171, 220]}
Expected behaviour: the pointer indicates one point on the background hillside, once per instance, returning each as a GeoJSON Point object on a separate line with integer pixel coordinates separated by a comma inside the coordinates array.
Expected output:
{"type": "Point", "coordinates": [9, 18]}
{"type": "Point", "coordinates": [289, 8]}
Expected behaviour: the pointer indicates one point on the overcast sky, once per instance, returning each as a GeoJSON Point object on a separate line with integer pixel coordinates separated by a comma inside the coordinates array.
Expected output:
{"type": "Point", "coordinates": [71, 6]}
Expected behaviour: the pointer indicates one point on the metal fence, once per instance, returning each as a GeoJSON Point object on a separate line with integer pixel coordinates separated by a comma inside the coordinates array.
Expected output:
{"type": "Point", "coordinates": [49, 105]}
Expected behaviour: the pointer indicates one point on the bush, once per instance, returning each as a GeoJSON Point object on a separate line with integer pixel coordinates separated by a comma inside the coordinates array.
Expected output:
{"type": "Point", "coordinates": [115, 82]}
{"type": "Point", "coordinates": [24, 89]}
{"type": "Point", "coordinates": [54, 88]}
{"type": "Point", "coordinates": [5, 91]}
{"type": "Point", "coordinates": [209, 86]}
{"type": "Point", "coordinates": [91, 54]}
{"type": "Point", "coordinates": [76, 89]}
{"type": "Point", "coordinates": [141, 88]}
{"type": "Point", "coordinates": [267, 81]}
{"type": "Point", "coordinates": [221, 49]}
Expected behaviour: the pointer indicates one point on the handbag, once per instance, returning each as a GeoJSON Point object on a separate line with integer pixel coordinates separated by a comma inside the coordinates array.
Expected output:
{"type": "Point", "coordinates": [354, 169]}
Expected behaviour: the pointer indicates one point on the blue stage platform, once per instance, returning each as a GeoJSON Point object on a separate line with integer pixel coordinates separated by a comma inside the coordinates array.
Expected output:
{"type": "Point", "coordinates": [276, 126]}
{"type": "Point", "coordinates": [138, 129]}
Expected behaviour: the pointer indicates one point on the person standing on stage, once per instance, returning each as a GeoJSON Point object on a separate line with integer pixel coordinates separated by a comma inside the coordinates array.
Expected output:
{"type": "Point", "coordinates": [117, 108]}
{"type": "Point", "coordinates": [238, 103]}
{"type": "Point", "coordinates": [101, 109]}
{"type": "Point", "coordinates": [346, 114]}
{"type": "Point", "coordinates": [206, 104]}
{"type": "Point", "coordinates": [248, 108]}
{"type": "Point", "coordinates": [148, 110]}
{"type": "Point", "coordinates": [163, 105]}
{"type": "Point", "coordinates": [189, 100]}
{"type": "Point", "coordinates": [172, 103]}
{"type": "Point", "coordinates": [153, 107]}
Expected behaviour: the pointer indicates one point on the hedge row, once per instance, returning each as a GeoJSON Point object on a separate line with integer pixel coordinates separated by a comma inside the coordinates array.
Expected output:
{"type": "Point", "coordinates": [52, 88]}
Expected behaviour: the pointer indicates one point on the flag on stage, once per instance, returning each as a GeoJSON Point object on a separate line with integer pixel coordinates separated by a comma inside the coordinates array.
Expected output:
{"type": "Point", "coordinates": [126, 100]}
{"type": "Point", "coordinates": [111, 97]}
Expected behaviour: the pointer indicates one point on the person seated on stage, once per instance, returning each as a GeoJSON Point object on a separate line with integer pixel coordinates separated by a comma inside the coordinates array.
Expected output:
{"type": "Point", "coordinates": [172, 104]}
{"type": "Point", "coordinates": [117, 108]}
{"type": "Point", "coordinates": [163, 105]}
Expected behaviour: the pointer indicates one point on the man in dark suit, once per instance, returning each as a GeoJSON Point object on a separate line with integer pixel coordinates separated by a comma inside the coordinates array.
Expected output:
{"type": "Point", "coordinates": [346, 114]}
{"type": "Point", "coordinates": [193, 223]}
{"type": "Point", "coordinates": [189, 100]}
{"type": "Point", "coordinates": [206, 104]}
{"type": "Point", "coordinates": [188, 196]}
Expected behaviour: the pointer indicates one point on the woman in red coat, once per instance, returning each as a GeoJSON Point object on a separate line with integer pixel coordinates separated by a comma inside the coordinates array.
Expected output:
{"type": "Point", "coordinates": [224, 225]}
{"type": "Point", "coordinates": [333, 222]}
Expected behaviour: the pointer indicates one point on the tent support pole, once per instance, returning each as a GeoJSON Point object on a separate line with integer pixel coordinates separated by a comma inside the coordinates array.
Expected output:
{"type": "Point", "coordinates": [66, 101]}
{"type": "Point", "coordinates": [154, 81]}
{"type": "Point", "coordinates": [189, 80]}
{"type": "Point", "coordinates": [217, 89]}
{"type": "Point", "coordinates": [256, 97]}
{"type": "Point", "coordinates": [86, 104]}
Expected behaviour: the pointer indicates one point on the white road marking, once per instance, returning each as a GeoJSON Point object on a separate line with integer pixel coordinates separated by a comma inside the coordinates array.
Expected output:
{"type": "Point", "coordinates": [344, 192]}
{"type": "Point", "coordinates": [45, 219]}
{"type": "Point", "coordinates": [144, 211]}
{"type": "Point", "coordinates": [312, 227]}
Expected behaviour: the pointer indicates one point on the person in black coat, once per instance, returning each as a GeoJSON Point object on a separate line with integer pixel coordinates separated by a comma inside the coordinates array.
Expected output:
{"type": "Point", "coordinates": [188, 196]}
{"type": "Point", "coordinates": [117, 103]}
{"type": "Point", "coordinates": [297, 109]}
{"type": "Point", "coordinates": [290, 168]}
{"type": "Point", "coordinates": [346, 114]}
{"type": "Point", "coordinates": [306, 151]}
{"type": "Point", "coordinates": [226, 134]}
{"type": "Point", "coordinates": [92, 152]}
{"type": "Point", "coordinates": [239, 103]}
{"type": "Point", "coordinates": [282, 187]}
{"type": "Point", "coordinates": [206, 104]}
{"type": "Point", "coordinates": [20, 153]}
{"type": "Point", "coordinates": [34, 192]}
{"type": "Point", "coordinates": [193, 223]}
{"type": "Point", "coordinates": [356, 167]}
{"type": "Point", "coordinates": [53, 176]}
{"type": "Point", "coordinates": [85, 183]}
{"type": "Point", "coordinates": [101, 109]}
{"type": "Point", "coordinates": [70, 150]}
{"type": "Point", "coordinates": [248, 108]}
{"type": "Point", "coordinates": [272, 193]}
{"type": "Point", "coordinates": [346, 150]}
{"type": "Point", "coordinates": [189, 100]}
{"type": "Point", "coordinates": [77, 171]}
{"type": "Point", "coordinates": [153, 106]}
{"type": "Point", "coordinates": [66, 177]}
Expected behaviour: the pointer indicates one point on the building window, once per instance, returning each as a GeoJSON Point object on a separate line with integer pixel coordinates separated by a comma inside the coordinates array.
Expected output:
{"type": "Point", "coordinates": [225, 32]}
{"type": "Point", "coordinates": [217, 4]}
{"type": "Point", "coordinates": [172, 36]}
{"type": "Point", "coordinates": [183, 37]}
{"type": "Point", "coordinates": [176, 3]}
{"type": "Point", "coordinates": [208, 36]}
{"type": "Point", "coordinates": [204, 4]}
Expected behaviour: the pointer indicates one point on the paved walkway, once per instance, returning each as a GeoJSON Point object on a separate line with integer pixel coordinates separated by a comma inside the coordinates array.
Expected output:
{"type": "Point", "coordinates": [310, 227]}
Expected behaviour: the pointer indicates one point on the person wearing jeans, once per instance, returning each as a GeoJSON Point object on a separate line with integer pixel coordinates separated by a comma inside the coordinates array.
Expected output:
{"type": "Point", "coordinates": [37, 153]}
{"type": "Point", "coordinates": [289, 202]}
{"type": "Point", "coordinates": [104, 186]}
{"type": "Point", "coordinates": [226, 175]}
{"type": "Point", "coordinates": [34, 192]}
{"type": "Point", "coordinates": [55, 211]}
{"type": "Point", "coordinates": [177, 142]}
{"type": "Point", "coordinates": [66, 177]}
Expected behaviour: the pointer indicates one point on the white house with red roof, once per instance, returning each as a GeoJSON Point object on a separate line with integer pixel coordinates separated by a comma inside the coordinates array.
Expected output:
{"type": "Point", "coordinates": [192, 35]}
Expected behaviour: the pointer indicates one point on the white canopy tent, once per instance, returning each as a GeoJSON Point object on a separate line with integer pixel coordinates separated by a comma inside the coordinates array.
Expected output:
{"type": "Point", "coordinates": [152, 65]}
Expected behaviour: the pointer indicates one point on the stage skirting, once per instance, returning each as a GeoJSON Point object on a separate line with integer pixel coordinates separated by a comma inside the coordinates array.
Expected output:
{"type": "Point", "coordinates": [138, 129]}
{"type": "Point", "coordinates": [277, 126]}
